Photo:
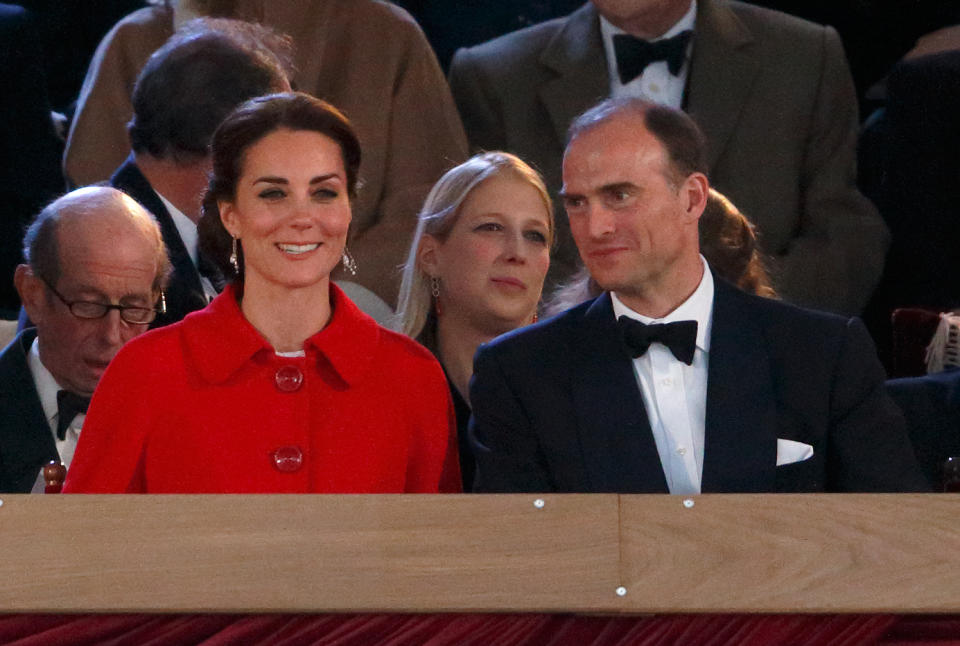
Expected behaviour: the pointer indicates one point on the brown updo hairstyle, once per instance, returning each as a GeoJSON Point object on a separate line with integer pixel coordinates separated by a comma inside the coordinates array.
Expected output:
{"type": "Point", "coordinates": [243, 128]}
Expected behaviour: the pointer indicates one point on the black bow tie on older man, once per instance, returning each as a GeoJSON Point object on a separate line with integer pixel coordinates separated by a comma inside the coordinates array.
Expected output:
{"type": "Point", "coordinates": [69, 405]}
{"type": "Point", "coordinates": [680, 337]}
{"type": "Point", "coordinates": [634, 54]}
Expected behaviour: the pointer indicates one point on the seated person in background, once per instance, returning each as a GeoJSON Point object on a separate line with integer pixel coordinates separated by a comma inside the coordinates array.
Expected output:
{"type": "Point", "coordinates": [281, 384]}
{"type": "Point", "coordinates": [183, 93]}
{"type": "Point", "coordinates": [931, 405]}
{"type": "Point", "coordinates": [674, 380]}
{"type": "Point", "coordinates": [95, 270]}
{"type": "Point", "coordinates": [772, 93]}
{"type": "Point", "coordinates": [368, 58]}
{"type": "Point", "coordinates": [476, 268]}
{"type": "Point", "coordinates": [727, 241]}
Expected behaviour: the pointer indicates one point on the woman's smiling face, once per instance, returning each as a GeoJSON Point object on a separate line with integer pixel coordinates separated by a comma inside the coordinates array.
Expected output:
{"type": "Point", "coordinates": [291, 210]}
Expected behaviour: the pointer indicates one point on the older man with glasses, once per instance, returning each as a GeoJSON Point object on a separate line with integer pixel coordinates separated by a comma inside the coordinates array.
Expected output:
{"type": "Point", "coordinates": [94, 278]}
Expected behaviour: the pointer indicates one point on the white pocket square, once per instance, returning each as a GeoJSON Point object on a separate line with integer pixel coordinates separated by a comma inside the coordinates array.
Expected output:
{"type": "Point", "coordinates": [789, 452]}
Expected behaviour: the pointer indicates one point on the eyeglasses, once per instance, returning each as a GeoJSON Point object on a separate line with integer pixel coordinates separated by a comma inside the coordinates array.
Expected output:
{"type": "Point", "coordinates": [128, 313]}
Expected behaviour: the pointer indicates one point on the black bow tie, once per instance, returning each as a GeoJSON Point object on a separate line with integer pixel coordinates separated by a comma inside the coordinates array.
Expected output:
{"type": "Point", "coordinates": [634, 54]}
{"type": "Point", "coordinates": [69, 405]}
{"type": "Point", "coordinates": [680, 337]}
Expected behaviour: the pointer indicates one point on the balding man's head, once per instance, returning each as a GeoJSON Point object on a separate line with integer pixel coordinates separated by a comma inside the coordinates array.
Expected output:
{"type": "Point", "coordinates": [91, 248]}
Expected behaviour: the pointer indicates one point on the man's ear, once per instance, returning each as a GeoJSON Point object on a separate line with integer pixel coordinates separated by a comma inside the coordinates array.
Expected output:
{"type": "Point", "coordinates": [427, 259]}
{"type": "Point", "coordinates": [694, 191]}
{"type": "Point", "coordinates": [32, 291]}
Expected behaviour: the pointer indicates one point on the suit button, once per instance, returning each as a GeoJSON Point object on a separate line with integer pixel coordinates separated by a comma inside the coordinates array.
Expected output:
{"type": "Point", "coordinates": [288, 379]}
{"type": "Point", "coordinates": [288, 458]}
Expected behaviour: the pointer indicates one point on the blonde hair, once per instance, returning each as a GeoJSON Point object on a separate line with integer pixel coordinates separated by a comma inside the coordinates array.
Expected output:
{"type": "Point", "coordinates": [437, 218]}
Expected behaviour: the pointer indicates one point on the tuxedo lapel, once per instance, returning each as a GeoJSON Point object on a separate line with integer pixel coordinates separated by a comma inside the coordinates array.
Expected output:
{"type": "Point", "coordinates": [619, 450]}
{"type": "Point", "coordinates": [185, 292]}
{"type": "Point", "coordinates": [26, 443]}
{"type": "Point", "coordinates": [577, 58]}
{"type": "Point", "coordinates": [740, 444]}
{"type": "Point", "coordinates": [722, 71]}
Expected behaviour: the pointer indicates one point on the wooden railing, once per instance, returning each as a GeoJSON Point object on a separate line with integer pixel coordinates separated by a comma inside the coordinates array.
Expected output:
{"type": "Point", "coordinates": [471, 553]}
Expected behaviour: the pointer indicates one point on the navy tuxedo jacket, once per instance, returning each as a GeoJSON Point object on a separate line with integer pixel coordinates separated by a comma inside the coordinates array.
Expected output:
{"type": "Point", "coordinates": [184, 292]}
{"type": "Point", "coordinates": [931, 405]}
{"type": "Point", "coordinates": [556, 406]}
{"type": "Point", "coordinates": [26, 443]}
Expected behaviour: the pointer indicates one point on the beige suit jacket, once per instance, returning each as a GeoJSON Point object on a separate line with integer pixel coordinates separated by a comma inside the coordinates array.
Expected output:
{"type": "Point", "coordinates": [368, 58]}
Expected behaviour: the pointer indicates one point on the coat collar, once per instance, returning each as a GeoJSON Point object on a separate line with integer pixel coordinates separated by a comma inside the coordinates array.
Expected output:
{"type": "Point", "coordinates": [740, 446]}
{"type": "Point", "coordinates": [26, 442]}
{"type": "Point", "coordinates": [619, 451]}
{"type": "Point", "coordinates": [219, 340]}
{"type": "Point", "coordinates": [575, 54]}
{"type": "Point", "coordinates": [722, 71]}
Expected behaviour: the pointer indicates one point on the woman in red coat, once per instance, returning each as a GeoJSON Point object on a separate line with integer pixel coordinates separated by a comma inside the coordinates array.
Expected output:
{"type": "Point", "coordinates": [281, 384]}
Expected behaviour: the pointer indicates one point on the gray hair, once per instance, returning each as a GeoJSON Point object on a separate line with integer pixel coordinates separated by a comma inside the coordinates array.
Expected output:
{"type": "Point", "coordinates": [41, 246]}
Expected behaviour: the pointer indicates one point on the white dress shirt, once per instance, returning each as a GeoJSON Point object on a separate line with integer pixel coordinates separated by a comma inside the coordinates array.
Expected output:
{"type": "Point", "coordinates": [675, 394]}
{"type": "Point", "coordinates": [47, 389]}
{"type": "Point", "coordinates": [656, 83]}
{"type": "Point", "coordinates": [187, 229]}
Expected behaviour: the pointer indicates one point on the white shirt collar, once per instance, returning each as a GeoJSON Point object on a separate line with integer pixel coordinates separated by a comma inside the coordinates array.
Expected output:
{"type": "Point", "coordinates": [47, 386]}
{"type": "Point", "coordinates": [698, 307]}
{"type": "Point", "coordinates": [186, 227]}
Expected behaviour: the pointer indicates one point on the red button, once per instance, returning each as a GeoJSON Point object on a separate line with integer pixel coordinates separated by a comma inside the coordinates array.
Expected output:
{"type": "Point", "coordinates": [288, 458]}
{"type": "Point", "coordinates": [288, 379]}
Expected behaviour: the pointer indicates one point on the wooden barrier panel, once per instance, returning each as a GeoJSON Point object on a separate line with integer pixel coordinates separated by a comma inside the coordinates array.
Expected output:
{"type": "Point", "coordinates": [300, 553]}
{"type": "Point", "coordinates": [792, 553]}
{"type": "Point", "coordinates": [466, 553]}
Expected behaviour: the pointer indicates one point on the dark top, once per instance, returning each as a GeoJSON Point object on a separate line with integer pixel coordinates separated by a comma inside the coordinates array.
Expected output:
{"type": "Point", "coordinates": [468, 464]}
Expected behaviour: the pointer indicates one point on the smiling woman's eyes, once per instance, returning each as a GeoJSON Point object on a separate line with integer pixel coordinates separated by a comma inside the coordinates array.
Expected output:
{"type": "Point", "coordinates": [489, 226]}
{"type": "Point", "coordinates": [325, 194]}
{"type": "Point", "coordinates": [271, 194]}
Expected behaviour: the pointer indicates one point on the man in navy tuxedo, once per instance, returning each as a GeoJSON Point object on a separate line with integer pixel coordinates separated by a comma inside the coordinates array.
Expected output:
{"type": "Point", "coordinates": [96, 267]}
{"type": "Point", "coordinates": [672, 380]}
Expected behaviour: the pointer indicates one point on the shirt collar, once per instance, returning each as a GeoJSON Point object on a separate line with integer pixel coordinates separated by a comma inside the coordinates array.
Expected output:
{"type": "Point", "coordinates": [47, 386]}
{"type": "Point", "coordinates": [220, 340]}
{"type": "Point", "coordinates": [698, 307]}
{"type": "Point", "coordinates": [186, 227]}
{"type": "Point", "coordinates": [608, 30]}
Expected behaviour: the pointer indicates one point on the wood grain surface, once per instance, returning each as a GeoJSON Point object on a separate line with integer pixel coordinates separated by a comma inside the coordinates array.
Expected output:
{"type": "Point", "coordinates": [792, 553]}
{"type": "Point", "coordinates": [470, 553]}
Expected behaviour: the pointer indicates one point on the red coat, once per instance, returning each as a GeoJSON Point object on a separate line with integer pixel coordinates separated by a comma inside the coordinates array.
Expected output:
{"type": "Point", "coordinates": [206, 406]}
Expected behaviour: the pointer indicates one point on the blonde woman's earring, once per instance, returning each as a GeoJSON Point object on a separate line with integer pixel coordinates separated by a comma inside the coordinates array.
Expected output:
{"type": "Point", "coordinates": [435, 292]}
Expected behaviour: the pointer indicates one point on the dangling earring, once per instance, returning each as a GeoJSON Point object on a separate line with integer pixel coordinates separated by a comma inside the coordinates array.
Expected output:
{"type": "Point", "coordinates": [349, 263]}
{"type": "Point", "coordinates": [435, 292]}
{"type": "Point", "coordinates": [536, 317]}
{"type": "Point", "coordinates": [234, 261]}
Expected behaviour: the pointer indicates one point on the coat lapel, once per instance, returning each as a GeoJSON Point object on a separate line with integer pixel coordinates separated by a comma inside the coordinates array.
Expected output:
{"type": "Point", "coordinates": [619, 451]}
{"type": "Point", "coordinates": [577, 58]}
{"type": "Point", "coordinates": [185, 292]}
{"type": "Point", "coordinates": [722, 72]}
{"type": "Point", "coordinates": [26, 443]}
{"type": "Point", "coordinates": [740, 447]}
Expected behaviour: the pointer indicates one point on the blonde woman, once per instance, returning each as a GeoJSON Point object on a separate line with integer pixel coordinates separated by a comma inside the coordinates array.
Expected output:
{"type": "Point", "coordinates": [476, 267]}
